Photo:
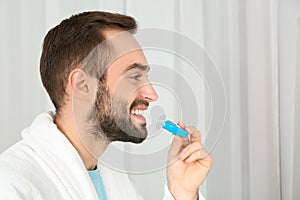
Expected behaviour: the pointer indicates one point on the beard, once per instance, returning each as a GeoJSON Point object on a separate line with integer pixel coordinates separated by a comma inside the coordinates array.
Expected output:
{"type": "Point", "coordinates": [110, 118]}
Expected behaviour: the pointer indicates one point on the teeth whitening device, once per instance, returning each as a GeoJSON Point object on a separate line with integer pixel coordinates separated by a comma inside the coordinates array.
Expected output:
{"type": "Point", "coordinates": [171, 127]}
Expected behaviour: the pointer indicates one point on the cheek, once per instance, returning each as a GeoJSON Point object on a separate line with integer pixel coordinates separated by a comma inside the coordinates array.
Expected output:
{"type": "Point", "coordinates": [124, 90]}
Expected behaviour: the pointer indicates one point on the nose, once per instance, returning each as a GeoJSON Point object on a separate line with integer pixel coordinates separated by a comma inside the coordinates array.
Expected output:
{"type": "Point", "coordinates": [148, 93]}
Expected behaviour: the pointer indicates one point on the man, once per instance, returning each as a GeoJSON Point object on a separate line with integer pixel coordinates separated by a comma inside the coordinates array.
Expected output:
{"type": "Point", "coordinates": [96, 76]}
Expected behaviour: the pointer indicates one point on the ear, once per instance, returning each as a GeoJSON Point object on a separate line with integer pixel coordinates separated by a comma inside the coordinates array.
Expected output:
{"type": "Point", "coordinates": [83, 86]}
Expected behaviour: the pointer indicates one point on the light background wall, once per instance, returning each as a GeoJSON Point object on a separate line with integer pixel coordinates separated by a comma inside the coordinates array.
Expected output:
{"type": "Point", "coordinates": [252, 42]}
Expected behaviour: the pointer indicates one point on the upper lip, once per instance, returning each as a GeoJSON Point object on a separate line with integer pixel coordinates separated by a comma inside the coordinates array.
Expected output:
{"type": "Point", "coordinates": [140, 107]}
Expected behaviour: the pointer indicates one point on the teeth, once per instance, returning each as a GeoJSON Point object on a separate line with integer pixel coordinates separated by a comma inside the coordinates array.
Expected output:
{"type": "Point", "coordinates": [137, 112]}
{"type": "Point", "coordinates": [141, 112]}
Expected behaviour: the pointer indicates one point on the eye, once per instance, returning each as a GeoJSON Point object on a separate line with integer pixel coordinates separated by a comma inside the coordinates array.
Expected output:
{"type": "Point", "coordinates": [136, 77]}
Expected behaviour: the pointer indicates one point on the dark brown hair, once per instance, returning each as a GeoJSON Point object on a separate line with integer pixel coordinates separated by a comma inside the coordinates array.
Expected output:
{"type": "Point", "coordinates": [67, 45]}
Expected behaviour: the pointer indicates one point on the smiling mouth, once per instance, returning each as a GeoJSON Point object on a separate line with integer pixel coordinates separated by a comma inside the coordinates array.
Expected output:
{"type": "Point", "coordinates": [137, 110]}
{"type": "Point", "coordinates": [137, 116]}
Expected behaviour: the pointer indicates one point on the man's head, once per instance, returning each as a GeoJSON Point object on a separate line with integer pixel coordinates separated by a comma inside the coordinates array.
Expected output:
{"type": "Point", "coordinates": [67, 45]}
{"type": "Point", "coordinates": [89, 61]}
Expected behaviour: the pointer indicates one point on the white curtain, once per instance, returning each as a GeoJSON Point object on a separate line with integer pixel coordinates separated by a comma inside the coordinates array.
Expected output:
{"type": "Point", "coordinates": [241, 36]}
{"type": "Point", "coordinates": [289, 15]}
{"type": "Point", "coordinates": [296, 163]}
{"type": "Point", "coordinates": [22, 95]}
{"type": "Point", "coordinates": [252, 43]}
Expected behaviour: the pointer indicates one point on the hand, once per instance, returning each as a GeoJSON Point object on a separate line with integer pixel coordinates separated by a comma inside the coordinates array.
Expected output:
{"type": "Point", "coordinates": [188, 165]}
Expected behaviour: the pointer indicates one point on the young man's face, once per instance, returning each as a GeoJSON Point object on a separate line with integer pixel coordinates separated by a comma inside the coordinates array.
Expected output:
{"type": "Point", "coordinates": [122, 99]}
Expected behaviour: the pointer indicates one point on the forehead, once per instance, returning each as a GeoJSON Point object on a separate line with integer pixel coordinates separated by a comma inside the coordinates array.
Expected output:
{"type": "Point", "coordinates": [127, 52]}
{"type": "Point", "coordinates": [126, 48]}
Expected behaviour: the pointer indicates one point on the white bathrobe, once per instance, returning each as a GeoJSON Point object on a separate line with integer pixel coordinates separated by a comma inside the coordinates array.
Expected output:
{"type": "Point", "coordinates": [45, 165]}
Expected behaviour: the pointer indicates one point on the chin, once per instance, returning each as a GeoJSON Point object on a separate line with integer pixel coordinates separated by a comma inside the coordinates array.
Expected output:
{"type": "Point", "coordinates": [138, 141]}
{"type": "Point", "coordinates": [142, 135]}
{"type": "Point", "coordinates": [132, 139]}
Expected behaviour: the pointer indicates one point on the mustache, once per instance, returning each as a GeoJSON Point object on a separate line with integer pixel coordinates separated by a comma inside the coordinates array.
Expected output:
{"type": "Point", "coordinates": [139, 102]}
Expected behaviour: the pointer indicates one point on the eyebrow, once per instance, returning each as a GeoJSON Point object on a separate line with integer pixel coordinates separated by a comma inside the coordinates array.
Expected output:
{"type": "Point", "coordinates": [137, 66]}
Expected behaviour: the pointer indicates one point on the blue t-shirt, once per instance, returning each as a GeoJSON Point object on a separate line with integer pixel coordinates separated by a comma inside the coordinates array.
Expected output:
{"type": "Point", "coordinates": [98, 183]}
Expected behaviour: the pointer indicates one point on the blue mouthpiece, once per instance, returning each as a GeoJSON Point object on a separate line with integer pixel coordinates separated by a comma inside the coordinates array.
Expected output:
{"type": "Point", "coordinates": [174, 129]}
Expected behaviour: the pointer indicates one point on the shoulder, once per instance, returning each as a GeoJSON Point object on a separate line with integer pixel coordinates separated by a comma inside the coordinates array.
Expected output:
{"type": "Point", "coordinates": [16, 157]}
{"type": "Point", "coordinates": [18, 172]}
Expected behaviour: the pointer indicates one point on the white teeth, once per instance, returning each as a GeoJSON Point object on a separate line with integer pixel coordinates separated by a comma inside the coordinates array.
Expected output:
{"type": "Point", "coordinates": [141, 112]}
{"type": "Point", "coordinates": [137, 112]}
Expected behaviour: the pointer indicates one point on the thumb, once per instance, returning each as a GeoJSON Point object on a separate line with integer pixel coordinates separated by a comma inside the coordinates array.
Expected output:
{"type": "Point", "coordinates": [177, 145]}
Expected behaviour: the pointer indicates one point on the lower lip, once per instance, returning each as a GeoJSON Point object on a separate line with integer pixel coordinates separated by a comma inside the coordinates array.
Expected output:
{"type": "Point", "coordinates": [138, 119]}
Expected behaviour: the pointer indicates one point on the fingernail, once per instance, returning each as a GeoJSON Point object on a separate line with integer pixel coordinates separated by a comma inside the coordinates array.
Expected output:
{"type": "Point", "coordinates": [203, 153]}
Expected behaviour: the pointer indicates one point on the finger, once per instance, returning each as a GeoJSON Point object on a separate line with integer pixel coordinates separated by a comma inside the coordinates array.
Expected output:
{"type": "Point", "coordinates": [207, 161]}
{"type": "Point", "coordinates": [181, 125]}
{"type": "Point", "coordinates": [194, 133]}
{"type": "Point", "coordinates": [176, 146]}
{"type": "Point", "coordinates": [201, 156]}
{"type": "Point", "coordinates": [190, 149]}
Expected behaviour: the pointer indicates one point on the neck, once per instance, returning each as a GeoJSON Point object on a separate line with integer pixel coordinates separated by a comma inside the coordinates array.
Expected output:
{"type": "Point", "coordinates": [88, 146]}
